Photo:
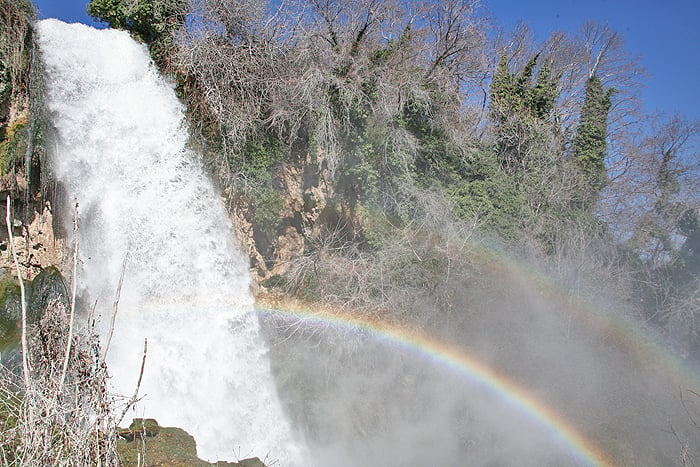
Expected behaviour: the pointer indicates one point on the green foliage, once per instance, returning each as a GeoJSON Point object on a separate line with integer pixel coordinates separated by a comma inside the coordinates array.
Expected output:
{"type": "Point", "coordinates": [259, 156]}
{"type": "Point", "coordinates": [437, 156]}
{"type": "Point", "coordinates": [152, 21]}
{"type": "Point", "coordinates": [521, 109]}
{"type": "Point", "coordinates": [112, 12]}
{"type": "Point", "coordinates": [149, 19]}
{"type": "Point", "coordinates": [689, 255]}
{"type": "Point", "coordinates": [517, 93]}
{"type": "Point", "coordinates": [13, 147]}
{"type": "Point", "coordinates": [494, 204]}
{"type": "Point", "coordinates": [504, 92]}
{"type": "Point", "coordinates": [516, 196]}
{"type": "Point", "coordinates": [540, 99]}
{"type": "Point", "coordinates": [666, 183]}
{"type": "Point", "coordinates": [266, 205]}
{"type": "Point", "coordinates": [10, 407]}
{"type": "Point", "coordinates": [15, 41]}
{"type": "Point", "coordinates": [15, 25]}
{"type": "Point", "coordinates": [376, 225]}
{"type": "Point", "coordinates": [589, 143]}
{"type": "Point", "coordinates": [358, 169]}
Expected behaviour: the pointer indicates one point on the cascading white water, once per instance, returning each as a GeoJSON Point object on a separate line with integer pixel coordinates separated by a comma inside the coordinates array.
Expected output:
{"type": "Point", "coordinates": [120, 152]}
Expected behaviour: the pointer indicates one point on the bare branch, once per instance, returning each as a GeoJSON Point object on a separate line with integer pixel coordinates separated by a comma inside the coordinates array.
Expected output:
{"type": "Point", "coordinates": [135, 397]}
{"type": "Point", "coordinates": [115, 307]}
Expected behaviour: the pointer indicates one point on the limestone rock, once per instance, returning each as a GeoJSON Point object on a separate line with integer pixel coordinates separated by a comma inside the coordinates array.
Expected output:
{"type": "Point", "coordinates": [36, 245]}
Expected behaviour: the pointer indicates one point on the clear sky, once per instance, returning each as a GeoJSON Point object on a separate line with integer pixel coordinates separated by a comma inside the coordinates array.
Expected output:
{"type": "Point", "coordinates": [664, 34]}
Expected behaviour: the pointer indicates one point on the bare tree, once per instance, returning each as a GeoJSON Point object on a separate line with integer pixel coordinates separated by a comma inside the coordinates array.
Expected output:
{"type": "Point", "coordinates": [666, 151]}
{"type": "Point", "coordinates": [456, 41]}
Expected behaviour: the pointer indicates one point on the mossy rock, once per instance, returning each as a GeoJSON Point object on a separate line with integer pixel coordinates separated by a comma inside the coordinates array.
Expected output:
{"type": "Point", "coordinates": [252, 462]}
{"type": "Point", "coordinates": [140, 428]}
{"type": "Point", "coordinates": [148, 427]}
{"type": "Point", "coordinates": [10, 314]}
{"type": "Point", "coordinates": [47, 286]}
{"type": "Point", "coordinates": [173, 447]}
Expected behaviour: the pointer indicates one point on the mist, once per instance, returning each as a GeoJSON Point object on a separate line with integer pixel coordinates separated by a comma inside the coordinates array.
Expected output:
{"type": "Point", "coordinates": [361, 398]}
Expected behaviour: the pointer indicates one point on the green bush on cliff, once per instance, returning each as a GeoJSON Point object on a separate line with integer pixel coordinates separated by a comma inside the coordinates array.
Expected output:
{"type": "Point", "coordinates": [259, 156]}
{"type": "Point", "coordinates": [149, 19]}
{"type": "Point", "coordinates": [152, 21]}
{"type": "Point", "coordinates": [13, 147]}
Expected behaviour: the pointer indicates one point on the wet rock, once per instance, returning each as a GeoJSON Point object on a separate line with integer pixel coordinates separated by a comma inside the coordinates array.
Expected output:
{"type": "Point", "coordinates": [173, 447]}
{"type": "Point", "coordinates": [48, 288]}
{"type": "Point", "coordinates": [140, 428]}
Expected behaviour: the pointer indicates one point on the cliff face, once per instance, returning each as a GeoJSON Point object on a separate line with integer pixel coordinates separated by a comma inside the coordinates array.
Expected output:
{"type": "Point", "coordinates": [306, 209]}
{"type": "Point", "coordinates": [36, 245]}
{"type": "Point", "coordinates": [22, 179]}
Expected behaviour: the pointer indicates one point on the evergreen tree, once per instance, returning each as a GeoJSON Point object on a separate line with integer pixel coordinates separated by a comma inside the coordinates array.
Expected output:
{"type": "Point", "coordinates": [521, 107]}
{"type": "Point", "coordinates": [504, 96]}
{"type": "Point", "coordinates": [589, 143]}
{"type": "Point", "coordinates": [541, 97]}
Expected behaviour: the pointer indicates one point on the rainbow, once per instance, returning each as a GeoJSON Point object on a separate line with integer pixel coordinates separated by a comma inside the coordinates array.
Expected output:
{"type": "Point", "coordinates": [624, 331]}
{"type": "Point", "coordinates": [622, 328]}
{"type": "Point", "coordinates": [457, 360]}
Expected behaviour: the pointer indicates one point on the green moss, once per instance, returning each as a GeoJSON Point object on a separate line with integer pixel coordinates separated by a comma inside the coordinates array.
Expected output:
{"type": "Point", "coordinates": [47, 286]}
{"type": "Point", "coordinates": [14, 146]}
{"type": "Point", "coordinates": [267, 204]}
{"type": "Point", "coordinates": [10, 329]}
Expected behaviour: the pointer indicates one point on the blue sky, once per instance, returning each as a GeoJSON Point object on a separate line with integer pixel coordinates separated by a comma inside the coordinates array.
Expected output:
{"type": "Point", "coordinates": [664, 34]}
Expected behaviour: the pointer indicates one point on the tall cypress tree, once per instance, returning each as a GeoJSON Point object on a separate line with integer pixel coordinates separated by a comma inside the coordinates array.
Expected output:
{"type": "Point", "coordinates": [589, 143]}
{"type": "Point", "coordinates": [541, 97]}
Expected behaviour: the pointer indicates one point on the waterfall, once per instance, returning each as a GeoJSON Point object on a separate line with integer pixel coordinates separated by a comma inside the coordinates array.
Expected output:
{"type": "Point", "coordinates": [118, 148]}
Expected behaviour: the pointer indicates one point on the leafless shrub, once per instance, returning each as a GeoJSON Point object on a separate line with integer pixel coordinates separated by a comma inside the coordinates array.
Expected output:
{"type": "Point", "coordinates": [313, 66]}
{"type": "Point", "coordinates": [402, 266]}
{"type": "Point", "coordinates": [59, 412]}
{"type": "Point", "coordinates": [47, 422]}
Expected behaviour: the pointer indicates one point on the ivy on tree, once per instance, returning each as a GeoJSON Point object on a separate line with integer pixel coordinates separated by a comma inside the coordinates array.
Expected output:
{"type": "Point", "coordinates": [519, 102]}
{"type": "Point", "coordinates": [589, 143]}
